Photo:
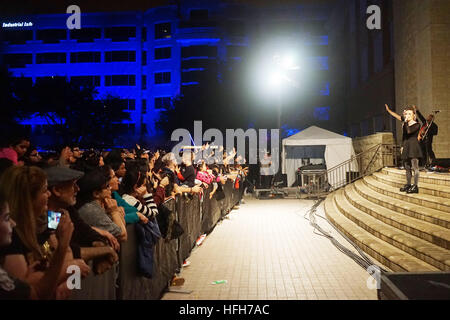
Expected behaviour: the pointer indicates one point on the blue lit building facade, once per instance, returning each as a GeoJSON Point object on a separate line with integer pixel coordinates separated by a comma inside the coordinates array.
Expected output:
{"type": "Point", "coordinates": [147, 58]}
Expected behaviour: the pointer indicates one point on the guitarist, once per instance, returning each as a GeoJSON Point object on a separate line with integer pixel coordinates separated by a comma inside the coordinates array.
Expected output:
{"type": "Point", "coordinates": [428, 130]}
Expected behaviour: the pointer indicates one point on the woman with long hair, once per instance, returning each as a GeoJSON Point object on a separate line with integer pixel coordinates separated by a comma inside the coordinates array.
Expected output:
{"type": "Point", "coordinates": [134, 191]}
{"type": "Point", "coordinates": [131, 213]}
{"type": "Point", "coordinates": [33, 245]}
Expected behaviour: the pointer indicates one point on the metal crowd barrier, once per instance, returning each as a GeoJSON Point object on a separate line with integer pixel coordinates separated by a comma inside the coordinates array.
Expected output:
{"type": "Point", "coordinates": [197, 215]}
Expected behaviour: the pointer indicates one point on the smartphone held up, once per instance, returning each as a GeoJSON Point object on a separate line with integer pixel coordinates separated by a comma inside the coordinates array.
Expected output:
{"type": "Point", "coordinates": [53, 219]}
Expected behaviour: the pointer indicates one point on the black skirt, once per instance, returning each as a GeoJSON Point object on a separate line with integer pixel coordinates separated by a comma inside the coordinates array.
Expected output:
{"type": "Point", "coordinates": [410, 147]}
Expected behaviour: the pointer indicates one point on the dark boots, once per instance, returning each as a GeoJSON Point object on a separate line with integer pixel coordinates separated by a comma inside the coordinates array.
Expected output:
{"type": "Point", "coordinates": [414, 189]}
{"type": "Point", "coordinates": [405, 188]}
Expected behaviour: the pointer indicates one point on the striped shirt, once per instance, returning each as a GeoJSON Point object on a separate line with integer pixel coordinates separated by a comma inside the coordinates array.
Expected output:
{"type": "Point", "coordinates": [149, 209]}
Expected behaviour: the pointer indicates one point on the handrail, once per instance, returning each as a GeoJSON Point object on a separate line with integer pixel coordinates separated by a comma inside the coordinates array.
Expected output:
{"type": "Point", "coordinates": [355, 156]}
{"type": "Point", "coordinates": [322, 182]}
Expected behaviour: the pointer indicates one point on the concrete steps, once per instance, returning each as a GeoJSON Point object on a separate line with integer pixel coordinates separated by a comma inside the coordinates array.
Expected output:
{"type": "Point", "coordinates": [425, 177]}
{"type": "Point", "coordinates": [426, 188]}
{"type": "Point", "coordinates": [396, 229]}
{"type": "Point", "coordinates": [421, 229]}
{"type": "Point", "coordinates": [390, 256]}
{"type": "Point", "coordinates": [404, 207]}
{"type": "Point", "coordinates": [405, 232]}
{"type": "Point", "coordinates": [425, 200]}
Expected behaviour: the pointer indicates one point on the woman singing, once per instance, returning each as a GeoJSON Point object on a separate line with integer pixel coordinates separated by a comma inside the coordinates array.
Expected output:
{"type": "Point", "coordinates": [411, 151]}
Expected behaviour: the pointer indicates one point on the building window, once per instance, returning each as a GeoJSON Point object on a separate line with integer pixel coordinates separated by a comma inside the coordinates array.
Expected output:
{"type": "Point", "coordinates": [51, 57]}
{"type": "Point", "coordinates": [86, 81]}
{"type": "Point", "coordinates": [16, 36]}
{"type": "Point", "coordinates": [199, 14]}
{"type": "Point", "coordinates": [85, 34]}
{"type": "Point", "coordinates": [84, 57]}
{"type": "Point", "coordinates": [18, 60]}
{"type": "Point", "coordinates": [322, 113]}
{"type": "Point", "coordinates": [128, 104]}
{"type": "Point", "coordinates": [120, 56]}
{"type": "Point", "coordinates": [163, 31]}
{"type": "Point", "coordinates": [144, 58]}
{"type": "Point", "coordinates": [162, 77]}
{"type": "Point", "coordinates": [144, 128]}
{"type": "Point", "coordinates": [50, 78]}
{"type": "Point", "coordinates": [118, 34]}
{"type": "Point", "coordinates": [162, 102]}
{"type": "Point", "coordinates": [325, 90]}
{"type": "Point", "coordinates": [199, 51]}
{"type": "Point", "coordinates": [51, 35]}
{"type": "Point", "coordinates": [163, 53]}
{"type": "Point", "coordinates": [144, 106]}
{"type": "Point", "coordinates": [144, 34]}
{"type": "Point", "coordinates": [120, 80]}
{"type": "Point", "coordinates": [144, 82]}
{"type": "Point", "coordinates": [198, 63]}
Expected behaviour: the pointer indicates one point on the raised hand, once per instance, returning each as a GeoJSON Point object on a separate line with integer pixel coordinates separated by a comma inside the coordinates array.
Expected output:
{"type": "Point", "coordinates": [110, 205]}
{"type": "Point", "coordinates": [64, 230]}
{"type": "Point", "coordinates": [142, 190]}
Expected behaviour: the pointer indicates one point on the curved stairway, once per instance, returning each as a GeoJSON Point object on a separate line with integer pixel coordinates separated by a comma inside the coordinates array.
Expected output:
{"type": "Point", "coordinates": [404, 232]}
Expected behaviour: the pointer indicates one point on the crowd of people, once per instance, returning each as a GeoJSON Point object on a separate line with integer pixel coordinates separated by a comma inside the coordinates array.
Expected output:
{"type": "Point", "coordinates": [92, 195]}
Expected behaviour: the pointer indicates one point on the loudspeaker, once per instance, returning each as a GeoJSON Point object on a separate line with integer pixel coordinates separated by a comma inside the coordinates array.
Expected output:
{"type": "Point", "coordinates": [280, 180]}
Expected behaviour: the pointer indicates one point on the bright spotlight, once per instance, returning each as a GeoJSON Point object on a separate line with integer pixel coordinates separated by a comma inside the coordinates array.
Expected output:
{"type": "Point", "coordinates": [274, 79]}
{"type": "Point", "coordinates": [287, 62]}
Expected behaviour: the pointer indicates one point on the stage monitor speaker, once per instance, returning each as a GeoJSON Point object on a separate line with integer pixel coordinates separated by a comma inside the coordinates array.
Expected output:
{"type": "Point", "coordinates": [280, 180]}
{"type": "Point", "coordinates": [415, 286]}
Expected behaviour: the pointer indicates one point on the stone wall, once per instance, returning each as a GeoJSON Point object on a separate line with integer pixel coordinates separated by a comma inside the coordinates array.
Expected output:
{"type": "Point", "coordinates": [422, 62]}
{"type": "Point", "coordinates": [385, 156]}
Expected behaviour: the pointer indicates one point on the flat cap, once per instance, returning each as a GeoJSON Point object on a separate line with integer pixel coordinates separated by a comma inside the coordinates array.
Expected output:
{"type": "Point", "coordinates": [58, 174]}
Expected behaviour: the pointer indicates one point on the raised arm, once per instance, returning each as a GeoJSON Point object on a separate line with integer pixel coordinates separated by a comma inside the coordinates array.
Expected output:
{"type": "Point", "coordinates": [392, 113]}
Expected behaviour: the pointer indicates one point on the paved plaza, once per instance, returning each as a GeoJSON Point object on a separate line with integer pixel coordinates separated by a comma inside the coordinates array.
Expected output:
{"type": "Point", "coordinates": [268, 250]}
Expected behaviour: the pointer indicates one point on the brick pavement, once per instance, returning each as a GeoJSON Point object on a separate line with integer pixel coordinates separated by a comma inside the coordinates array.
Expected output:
{"type": "Point", "coordinates": [267, 250]}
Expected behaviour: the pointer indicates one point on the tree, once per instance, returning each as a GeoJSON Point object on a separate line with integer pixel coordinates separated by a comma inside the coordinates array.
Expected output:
{"type": "Point", "coordinates": [72, 111]}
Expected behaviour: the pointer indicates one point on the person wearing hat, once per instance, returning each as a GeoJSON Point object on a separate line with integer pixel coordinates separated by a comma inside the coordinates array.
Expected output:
{"type": "Point", "coordinates": [86, 243]}
{"type": "Point", "coordinates": [96, 206]}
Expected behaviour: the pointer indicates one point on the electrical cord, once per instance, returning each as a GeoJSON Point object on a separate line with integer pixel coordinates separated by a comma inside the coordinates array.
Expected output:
{"type": "Point", "coordinates": [363, 260]}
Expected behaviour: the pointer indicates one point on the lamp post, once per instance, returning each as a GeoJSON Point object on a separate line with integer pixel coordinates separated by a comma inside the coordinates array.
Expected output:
{"type": "Point", "coordinates": [281, 66]}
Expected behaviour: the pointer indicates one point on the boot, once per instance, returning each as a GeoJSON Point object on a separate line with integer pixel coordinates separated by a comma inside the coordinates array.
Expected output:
{"type": "Point", "coordinates": [405, 188]}
{"type": "Point", "coordinates": [414, 189]}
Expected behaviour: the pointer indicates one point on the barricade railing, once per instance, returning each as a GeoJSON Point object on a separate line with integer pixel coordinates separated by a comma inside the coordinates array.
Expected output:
{"type": "Point", "coordinates": [197, 214]}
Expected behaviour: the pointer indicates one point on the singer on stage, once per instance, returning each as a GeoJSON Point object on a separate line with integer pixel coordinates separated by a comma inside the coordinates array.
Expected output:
{"type": "Point", "coordinates": [411, 150]}
{"type": "Point", "coordinates": [428, 130]}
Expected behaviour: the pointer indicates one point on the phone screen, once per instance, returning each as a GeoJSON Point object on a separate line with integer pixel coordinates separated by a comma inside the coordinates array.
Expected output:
{"type": "Point", "coordinates": [53, 219]}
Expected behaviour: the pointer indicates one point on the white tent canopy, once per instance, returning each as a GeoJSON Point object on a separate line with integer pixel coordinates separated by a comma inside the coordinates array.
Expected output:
{"type": "Point", "coordinates": [338, 149]}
